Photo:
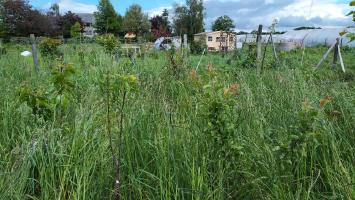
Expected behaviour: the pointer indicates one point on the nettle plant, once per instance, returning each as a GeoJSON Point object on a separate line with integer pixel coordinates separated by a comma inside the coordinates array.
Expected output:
{"type": "Point", "coordinates": [50, 48]}
{"type": "Point", "coordinates": [110, 43]}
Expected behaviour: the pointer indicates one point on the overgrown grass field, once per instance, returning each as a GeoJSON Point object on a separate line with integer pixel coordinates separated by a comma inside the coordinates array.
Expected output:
{"type": "Point", "coordinates": [223, 131]}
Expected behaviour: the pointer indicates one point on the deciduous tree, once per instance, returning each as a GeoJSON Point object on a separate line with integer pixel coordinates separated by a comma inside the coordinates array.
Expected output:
{"type": "Point", "coordinates": [223, 23]}
{"type": "Point", "coordinates": [107, 20]}
{"type": "Point", "coordinates": [19, 19]}
{"type": "Point", "coordinates": [160, 25]}
{"type": "Point", "coordinates": [75, 30]}
{"type": "Point", "coordinates": [189, 18]}
{"type": "Point", "coordinates": [136, 21]}
{"type": "Point", "coordinates": [67, 21]}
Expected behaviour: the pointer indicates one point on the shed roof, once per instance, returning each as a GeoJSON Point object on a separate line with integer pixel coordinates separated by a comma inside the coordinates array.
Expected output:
{"type": "Point", "coordinates": [130, 36]}
{"type": "Point", "coordinates": [87, 17]}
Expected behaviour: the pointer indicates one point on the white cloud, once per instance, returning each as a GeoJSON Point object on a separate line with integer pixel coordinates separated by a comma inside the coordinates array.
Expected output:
{"type": "Point", "coordinates": [72, 5]}
{"type": "Point", "coordinates": [158, 11]}
{"type": "Point", "coordinates": [248, 14]}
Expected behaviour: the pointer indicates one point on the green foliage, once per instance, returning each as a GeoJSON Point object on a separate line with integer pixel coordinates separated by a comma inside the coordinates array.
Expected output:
{"type": "Point", "coordinates": [75, 30]}
{"type": "Point", "coordinates": [220, 103]}
{"type": "Point", "coordinates": [135, 21]}
{"type": "Point", "coordinates": [175, 65]}
{"type": "Point", "coordinates": [109, 42]}
{"type": "Point", "coordinates": [197, 47]}
{"type": "Point", "coordinates": [351, 36]}
{"type": "Point", "coordinates": [49, 47]}
{"type": "Point", "coordinates": [249, 60]}
{"type": "Point", "coordinates": [223, 23]}
{"type": "Point", "coordinates": [44, 100]}
{"type": "Point", "coordinates": [107, 20]}
{"type": "Point", "coordinates": [62, 76]}
{"type": "Point", "coordinates": [189, 19]}
{"type": "Point", "coordinates": [37, 99]}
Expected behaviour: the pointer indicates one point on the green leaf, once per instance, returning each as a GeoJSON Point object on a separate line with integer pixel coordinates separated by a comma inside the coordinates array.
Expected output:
{"type": "Point", "coordinates": [343, 33]}
{"type": "Point", "coordinates": [351, 13]}
{"type": "Point", "coordinates": [352, 3]}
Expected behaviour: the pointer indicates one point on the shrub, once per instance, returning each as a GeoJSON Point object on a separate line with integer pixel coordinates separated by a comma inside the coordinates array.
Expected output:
{"type": "Point", "coordinates": [49, 47]}
{"type": "Point", "coordinates": [109, 42]}
{"type": "Point", "coordinates": [197, 47]}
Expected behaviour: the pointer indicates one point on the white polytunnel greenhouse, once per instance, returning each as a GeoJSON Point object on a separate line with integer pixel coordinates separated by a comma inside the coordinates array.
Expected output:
{"type": "Point", "coordinates": [310, 37]}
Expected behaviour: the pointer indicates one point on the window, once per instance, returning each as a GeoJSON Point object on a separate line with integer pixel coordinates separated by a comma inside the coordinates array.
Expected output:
{"type": "Point", "coordinates": [211, 49]}
{"type": "Point", "coordinates": [210, 39]}
{"type": "Point", "coordinates": [218, 39]}
{"type": "Point", "coordinates": [223, 39]}
{"type": "Point", "coordinates": [231, 39]}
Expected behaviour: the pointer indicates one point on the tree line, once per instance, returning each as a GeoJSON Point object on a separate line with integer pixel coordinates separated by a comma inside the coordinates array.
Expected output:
{"type": "Point", "coordinates": [18, 18]}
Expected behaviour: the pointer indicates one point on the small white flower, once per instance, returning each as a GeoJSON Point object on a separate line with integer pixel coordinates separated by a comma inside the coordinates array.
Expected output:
{"type": "Point", "coordinates": [26, 53]}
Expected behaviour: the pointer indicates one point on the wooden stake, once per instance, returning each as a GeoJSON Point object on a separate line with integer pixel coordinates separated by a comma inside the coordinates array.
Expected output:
{"type": "Point", "coordinates": [336, 54]}
{"type": "Point", "coordinates": [265, 49]}
{"type": "Point", "coordinates": [34, 52]}
{"type": "Point", "coordinates": [325, 56]}
{"type": "Point", "coordinates": [341, 60]}
{"type": "Point", "coordinates": [258, 41]}
{"type": "Point", "coordinates": [199, 62]}
{"type": "Point", "coordinates": [274, 48]}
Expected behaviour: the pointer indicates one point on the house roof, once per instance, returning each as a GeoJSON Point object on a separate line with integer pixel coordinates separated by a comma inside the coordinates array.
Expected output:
{"type": "Point", "coordinates": [130, 36]}
{"type": "Point", "coordinates": [87, 17]}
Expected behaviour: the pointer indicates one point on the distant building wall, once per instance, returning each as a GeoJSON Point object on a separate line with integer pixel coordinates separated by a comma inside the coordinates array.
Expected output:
{"type": "Point", "coordinates": [217, 40]}
{"type": "Point", "coordinates": [89, 24]}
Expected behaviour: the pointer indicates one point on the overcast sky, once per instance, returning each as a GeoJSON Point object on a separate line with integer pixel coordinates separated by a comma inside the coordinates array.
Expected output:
{"type": "Point", "coordinates": [247, 14]}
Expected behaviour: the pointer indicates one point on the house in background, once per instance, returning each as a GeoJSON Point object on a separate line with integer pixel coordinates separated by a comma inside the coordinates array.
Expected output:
{"type": "Point", "coordinates": [89, 21]}
{"type": "Point", "coordinates": [218, 40]}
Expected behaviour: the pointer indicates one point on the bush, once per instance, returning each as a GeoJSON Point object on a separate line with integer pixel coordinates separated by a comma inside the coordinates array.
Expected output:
{"type": "Point", "coordinates": [49, 47]}
{"type": "Point", "coordinates": [109, 42]}
{"type": "Point", "coordinates": [197, 47]}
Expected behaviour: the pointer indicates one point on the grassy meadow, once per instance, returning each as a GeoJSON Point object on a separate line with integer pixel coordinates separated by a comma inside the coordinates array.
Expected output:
{"type": "Point", "coordinates": [222, 130]}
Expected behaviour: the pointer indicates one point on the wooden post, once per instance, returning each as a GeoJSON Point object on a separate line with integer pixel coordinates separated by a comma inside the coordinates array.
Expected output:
{"type": "Point", "coordinates": [336, 54]}
{"type": "Point", "coordinates": [341, 60]}
{"type": "Point", "coordinates": [258, 41]}
{"type": "Point", "coordinates": [34, 52]}
{"type": "Point", "coordinates": [274, 48]}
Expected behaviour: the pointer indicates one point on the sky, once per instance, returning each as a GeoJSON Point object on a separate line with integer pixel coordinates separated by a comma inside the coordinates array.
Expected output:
{"type": "Point", "coordinates": [247, 14]}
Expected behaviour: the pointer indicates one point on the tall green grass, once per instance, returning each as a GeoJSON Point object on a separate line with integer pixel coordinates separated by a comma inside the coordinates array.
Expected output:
{"type": "Point", "coordinates": [177, 140]}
